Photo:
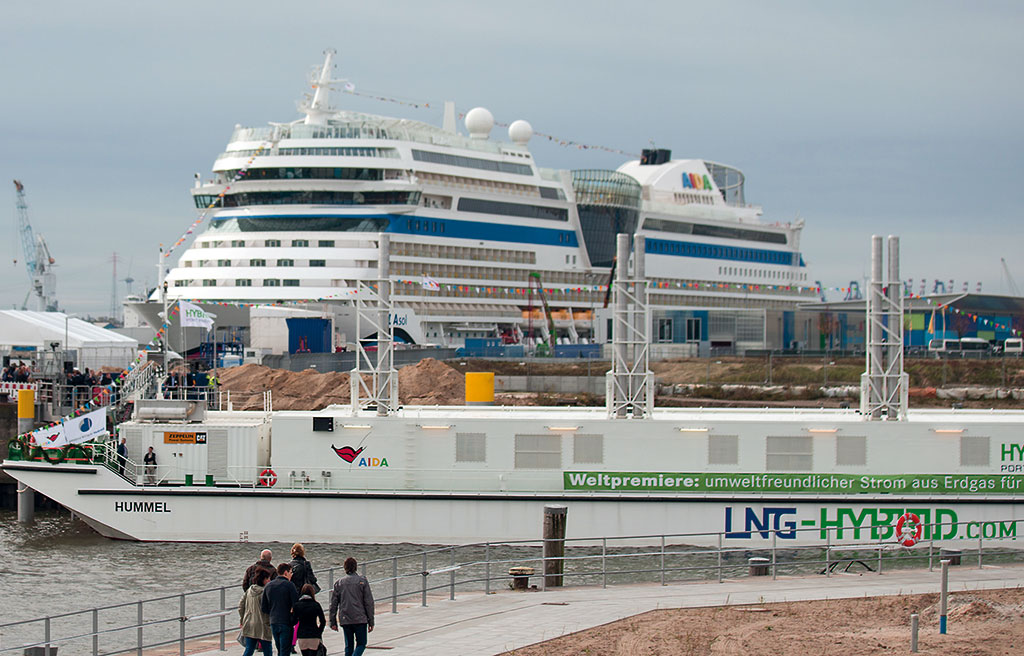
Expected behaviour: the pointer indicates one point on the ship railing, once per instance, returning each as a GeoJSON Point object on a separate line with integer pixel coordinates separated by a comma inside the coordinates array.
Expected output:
{"type": "Point", "coordinates": [417, 577]}
{"type": "Point", "coordinates": [65, 398]}
{"type": "Point", "coordinates": [218, 398]}
{"type": "Point", "coordinates": [397, 479]}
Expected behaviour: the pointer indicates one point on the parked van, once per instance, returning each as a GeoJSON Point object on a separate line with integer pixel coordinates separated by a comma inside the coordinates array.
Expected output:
{"type": "Point", "coordinates": [940, 346]}
{"type": "Point", "coordinates": [968, 347]}
{"type": "Point", "coordinates": [974, 347]}
{"type": "Point", "coordinates": [1013, 346]}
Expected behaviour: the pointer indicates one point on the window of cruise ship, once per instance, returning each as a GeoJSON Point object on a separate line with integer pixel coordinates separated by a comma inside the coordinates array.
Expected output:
{"type": "Point", "coordinates": [300, 243]}
{"type": "Point", "coordinates": [257, 263]}
{"type": "Point", "coordinates": [314, 197]}
{"type": "Point", "coordinates": [290, 283]}
{"type": "Point", "coordinates": [317, 263]}
{"type": "Point", "coordinates": [209, 283]}
{"type": "Point", "coordinates": [272, 243]}
{"type": "Point", "coordinates": [307, 173]}
{"type": "Point", "coordinates": [285, 263]}
{"type": "Point", "coordinates": [513, 209]}
{"type": "Point", "coordinates": [223, 263]}
{"type": "Point", "coordinates": [243, 282]}
{"type": "Point", "coordinates": [182, 283]}
{"type": "Point", "coordinates": [471, 162]}
{"type": "Point", "coordinates": [325, 243]}
{"type": "Point", "coordinates": [238, 243]}
{"type": "Point", "coordinates": [271, 282]}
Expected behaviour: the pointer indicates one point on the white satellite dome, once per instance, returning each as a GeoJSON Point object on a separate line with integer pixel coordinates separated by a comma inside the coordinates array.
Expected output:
{"type": "Point", "coordinates": [479, 122]}
{"type": "Point", "coordinates": [520, 132]}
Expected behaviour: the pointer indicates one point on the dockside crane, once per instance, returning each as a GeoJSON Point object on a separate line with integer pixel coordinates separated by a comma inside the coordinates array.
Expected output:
{"type": "Point", "coordinates": [38, 260]}
{"type": "Point", "coordinates": [1010, 282]}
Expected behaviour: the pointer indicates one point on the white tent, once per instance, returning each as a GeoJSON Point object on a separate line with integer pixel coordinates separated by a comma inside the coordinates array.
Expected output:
{"type": "Point", "coordinates": [22, 332]}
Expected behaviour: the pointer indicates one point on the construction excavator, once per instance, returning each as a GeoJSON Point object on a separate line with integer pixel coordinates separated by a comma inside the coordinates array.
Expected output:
{"type": "Point", "coordinates": [535, 282]}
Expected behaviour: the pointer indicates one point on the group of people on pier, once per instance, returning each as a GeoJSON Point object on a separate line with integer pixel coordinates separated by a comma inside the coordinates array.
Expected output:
{"type": "Point", "coordinates": [279, 607]}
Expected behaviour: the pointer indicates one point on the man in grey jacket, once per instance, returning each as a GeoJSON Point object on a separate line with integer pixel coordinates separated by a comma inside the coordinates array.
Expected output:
{"type": "Point", "coordinates": [352, 607]}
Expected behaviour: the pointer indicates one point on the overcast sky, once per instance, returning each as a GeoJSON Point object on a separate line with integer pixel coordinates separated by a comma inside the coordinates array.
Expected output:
{"type": "Point", "coordinates": [870, 117]}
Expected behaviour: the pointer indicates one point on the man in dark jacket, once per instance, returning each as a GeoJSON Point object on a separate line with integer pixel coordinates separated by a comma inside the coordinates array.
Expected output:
{"type": "Point", "coordinates": [352, 607]}
{"type": "Point", "coordinates": [264, 564]}
{"type": "Point", "coordinates": [279, 596]}
{"type": "Point", "coordinates": [122, 456]}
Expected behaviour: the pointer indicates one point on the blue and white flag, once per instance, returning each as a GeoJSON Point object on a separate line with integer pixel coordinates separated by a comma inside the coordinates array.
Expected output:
{"type": "Point", "coordinates": [85, 427]}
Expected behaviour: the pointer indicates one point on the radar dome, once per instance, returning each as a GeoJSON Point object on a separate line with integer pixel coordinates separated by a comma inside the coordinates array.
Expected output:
{"type": "Point", "coordinates": [479, 122]}
{"type": "Point", "coordinates": [520, 132]}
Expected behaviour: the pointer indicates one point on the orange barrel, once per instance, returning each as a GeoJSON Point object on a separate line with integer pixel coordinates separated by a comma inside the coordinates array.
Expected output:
{"type": "Point", "coordinates": [479, 388]}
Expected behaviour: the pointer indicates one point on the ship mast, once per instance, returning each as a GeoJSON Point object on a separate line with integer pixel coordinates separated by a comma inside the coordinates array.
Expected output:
{"type": "Point", "coordinates": [318, 108]}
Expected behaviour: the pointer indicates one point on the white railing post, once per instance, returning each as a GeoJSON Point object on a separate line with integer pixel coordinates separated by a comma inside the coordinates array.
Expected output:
{"type": "Point", "coordinates": [394, 583]}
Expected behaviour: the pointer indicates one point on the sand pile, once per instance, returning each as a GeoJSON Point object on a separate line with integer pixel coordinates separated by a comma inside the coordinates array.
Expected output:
{"type": "Point", "coordinates": [981, 623]}
{"type": "Point", "coordinates": [428, 382]}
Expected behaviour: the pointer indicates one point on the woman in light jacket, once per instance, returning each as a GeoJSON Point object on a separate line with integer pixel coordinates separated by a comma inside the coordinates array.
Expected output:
{"type": "Point", "coordinates": [254, 622]}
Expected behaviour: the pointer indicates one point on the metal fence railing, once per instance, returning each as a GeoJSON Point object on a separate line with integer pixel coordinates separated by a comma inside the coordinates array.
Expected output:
{"type": "Point", "coordinates": [413, 578]}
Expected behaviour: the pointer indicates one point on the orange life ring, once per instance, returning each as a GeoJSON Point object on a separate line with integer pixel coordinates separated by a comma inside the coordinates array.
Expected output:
{"type": "Point", "coordinates": [267, 478]}
{"type": "Point", "coordinates": [908, 529]}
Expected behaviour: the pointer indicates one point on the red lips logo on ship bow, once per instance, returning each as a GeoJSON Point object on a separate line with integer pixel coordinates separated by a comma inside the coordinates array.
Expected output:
{"type": "Point", "coordinates": [347, 453]}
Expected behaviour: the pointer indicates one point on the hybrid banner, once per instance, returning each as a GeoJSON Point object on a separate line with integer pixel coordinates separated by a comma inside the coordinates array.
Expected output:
{"type": "Point", "coordinates": [794, 483]}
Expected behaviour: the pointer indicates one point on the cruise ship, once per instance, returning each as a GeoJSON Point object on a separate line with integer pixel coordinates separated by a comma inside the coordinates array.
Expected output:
{"type": "Point", "coordinates": [294, 213]}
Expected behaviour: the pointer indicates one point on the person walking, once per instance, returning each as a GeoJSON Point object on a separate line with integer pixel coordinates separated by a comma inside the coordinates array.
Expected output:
{"type": "Point", "coordinates": [150, 461]}
{"type": "Point", "coordinates": [279, 597]}
{"type": "Point", "coordinates": [308, 615]}
{"type": "Point", "coordinates": [262, 564]}
{"type": "Point", "coordinates": [122, 456]}
{"type": "Point", "coordinates": [255, 624]}
{"type": "Point", "coordinates": [352, 607]}
{"type": "Point", "coordinates": [302, 569]}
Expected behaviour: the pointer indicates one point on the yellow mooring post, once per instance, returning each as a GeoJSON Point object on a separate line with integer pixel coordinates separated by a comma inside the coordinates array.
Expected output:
{"type": "Point", "coordinates": [26, 421]}
{"type": "Point", "coordinates": [479, 388]}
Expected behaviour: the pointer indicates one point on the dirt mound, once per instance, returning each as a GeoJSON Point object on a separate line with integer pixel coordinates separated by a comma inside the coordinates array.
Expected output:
{"type": "Point", "coordinates": [431, 382]}
{"type": "Point", "coordinates": [428, 382]}
{"type": "Point", "coordinates": [983, 622]}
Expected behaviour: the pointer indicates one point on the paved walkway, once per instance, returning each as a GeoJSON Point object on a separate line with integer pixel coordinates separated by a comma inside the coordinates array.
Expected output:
{"type": "Point", "coordinates": [482, 625]}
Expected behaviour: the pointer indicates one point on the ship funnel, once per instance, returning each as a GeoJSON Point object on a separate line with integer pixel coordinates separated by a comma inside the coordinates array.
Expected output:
{"type": "Point", "coordinates": [884, 387]}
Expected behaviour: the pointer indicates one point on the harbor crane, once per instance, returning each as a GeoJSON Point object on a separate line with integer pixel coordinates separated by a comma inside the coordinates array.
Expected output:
{"type": "Point", "coordinates": [38, 260]}
{"type": "Point", "coordinates": [1010, 282]}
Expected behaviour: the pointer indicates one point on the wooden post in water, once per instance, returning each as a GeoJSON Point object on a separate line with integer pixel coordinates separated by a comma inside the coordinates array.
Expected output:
{"type": "Point", "coordinates": [554, 545]}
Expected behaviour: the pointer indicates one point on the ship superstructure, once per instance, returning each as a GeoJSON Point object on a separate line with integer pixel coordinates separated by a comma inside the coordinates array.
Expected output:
{"type": "Point", "coordinates": [295, 211]}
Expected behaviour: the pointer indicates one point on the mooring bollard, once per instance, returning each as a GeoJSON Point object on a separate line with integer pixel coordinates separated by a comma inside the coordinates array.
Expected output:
{"type": "Point", "coordinates": [520, 577]}
{"type": "Point", "coordinates": [943, 596]}
{"type": "Point", "coordinates": [758, 566]}
{"type": "Point", "coordinates": [913, 633]}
